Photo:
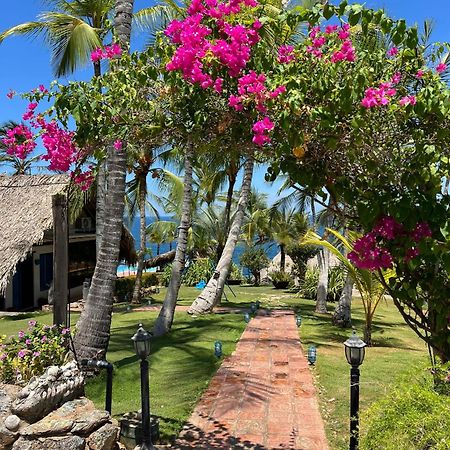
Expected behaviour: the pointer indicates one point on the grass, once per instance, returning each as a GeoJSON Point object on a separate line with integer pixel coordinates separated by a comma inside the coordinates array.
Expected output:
{"type": "Point", "coordinates": [183, 362]}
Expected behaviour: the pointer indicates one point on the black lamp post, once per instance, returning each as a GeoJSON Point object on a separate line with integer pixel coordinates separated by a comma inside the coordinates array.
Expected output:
{"type": "Point", "coordinates": [354, 352]}
{"type": "Point", "coordinates": [141, 342]}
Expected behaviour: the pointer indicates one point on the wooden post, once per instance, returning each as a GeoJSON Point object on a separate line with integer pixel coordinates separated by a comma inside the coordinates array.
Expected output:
{"type": "Point", "coordinates": [60, 259]}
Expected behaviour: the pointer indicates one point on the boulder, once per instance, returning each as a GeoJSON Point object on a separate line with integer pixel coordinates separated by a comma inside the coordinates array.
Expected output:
{"type": "Point", "coordinates": [51, 443]}
{"type": "Point", "coordinates": [12, 422]}
{"type": "Point", "coordinates": [7, 437]}
{"type": "Point", "coordinates": [104, 438]}
{"type": "Point", "coordinates": [44, 394]}
{"type": "Point", "coordinates": [77, 417]}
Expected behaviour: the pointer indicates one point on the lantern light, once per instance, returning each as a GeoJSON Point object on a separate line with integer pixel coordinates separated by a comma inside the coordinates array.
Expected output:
{"type": "Point", "coordinates": [312, 354]}
{"type": "Point", "coordinates": [355, 350]}
{"type": "Point", "coordinates": [218, 349]}
{"type": "Point", "coordinates": [141, 341]}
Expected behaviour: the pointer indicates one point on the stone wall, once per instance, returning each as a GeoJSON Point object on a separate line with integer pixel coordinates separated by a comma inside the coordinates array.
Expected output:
{"type": "Point", "coordinates": [50, 413]}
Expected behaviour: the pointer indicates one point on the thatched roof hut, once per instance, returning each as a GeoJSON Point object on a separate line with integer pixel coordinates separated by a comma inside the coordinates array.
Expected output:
{"type": "Point", "coordinates": [26, 213]}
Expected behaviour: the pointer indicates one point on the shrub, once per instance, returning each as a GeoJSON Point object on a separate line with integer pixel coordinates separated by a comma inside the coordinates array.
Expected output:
{"type": "Point", "coordinates": [336, 282]}
{"type": "Point", "coordinates": [32, 351]}
{"type": "Point", "coordinates": [165, 275]}
{"type": "Point", "coordinates": [300, 255]}
{"type": "Point", "coordinates": [308, 288]}
{"type": "Point", "coordinates": [235, 272]}
{"type": "Point", "coordinates": [411, 417]}
{"type": "Point", "coordinates": [200, 269]}
{"type": "Point", "coordinates": [124, 288]}
{"type": "Point", "coordinates": [149, 279]}
{"type": "Point", "coordinates": [255, 259]}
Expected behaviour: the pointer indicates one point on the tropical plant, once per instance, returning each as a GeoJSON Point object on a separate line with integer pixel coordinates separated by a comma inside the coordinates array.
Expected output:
{"type": "Point", "coordinates": [367, 283]}
{"type": "Point", "coordinates": [255, 259]}
{"type": "Point", "coordinates": [32, 351]}
{"type": "Point", "coordinates": [19, 166]}
{"type": "Point", "coordinates": [300, 256]}
{"type": "Point", "coordinates": [198, 270]}
{"type": "Point", "coordinates": [280, 279]}
{"type": "Point", "coordinates": [308, 287]}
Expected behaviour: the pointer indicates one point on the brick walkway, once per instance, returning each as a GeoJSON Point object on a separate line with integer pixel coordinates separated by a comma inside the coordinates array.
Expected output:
{"type": "Point", "coordinates": [262, 397]}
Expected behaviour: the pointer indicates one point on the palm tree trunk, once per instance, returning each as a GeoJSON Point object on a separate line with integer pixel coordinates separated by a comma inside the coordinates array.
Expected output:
{"type": "Point", "coordinates": [282, 258]}
{"type": "Point", "coordinates": [100, 205]}
{"type": "Point", "coordinates": [93, 328]}
{"type": "Point", "coordinates": [323, 258]}
{"type": "Point", "coordinates": [142, 237]}
{"type": "Point", "coordinates": [165, 317]}
{"type": "Point", "coordinates": [232, 174]}
{"type": "Point", "coordinates": [212, 293]}
{"type": "Point", "coordinates": [342, 316]}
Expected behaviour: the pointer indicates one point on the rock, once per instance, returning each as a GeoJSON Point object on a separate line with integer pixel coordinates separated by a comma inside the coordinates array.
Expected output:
{"type": "Point", "coordinates": [52, 443]}
{"type": "Point", "coordinates": [7, 437]}
{"type": "Point", "coordinates": [52, 371]}
{"type": "Point", "coordinates": [104, 438]}
{"type": "Point", "coordinates": [77, 416]}
{"type": "Point", "coordinates": [8, 393]}
{"type": "Point", "coordinates": [12, 422]}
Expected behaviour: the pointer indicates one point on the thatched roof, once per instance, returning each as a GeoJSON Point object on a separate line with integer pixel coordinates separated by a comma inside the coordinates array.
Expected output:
{"type": "Point", "coordinates": [26, 213]}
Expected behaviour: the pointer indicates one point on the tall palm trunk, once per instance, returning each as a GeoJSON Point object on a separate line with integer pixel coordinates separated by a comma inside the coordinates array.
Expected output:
{"type": "Point", "coordinates": [212, 293]}
{"type": "Point", "coordinates": [282, 258]}
{"type": "Point", "coordinates": [165, 317]}
{"type": "Point", "coordinates": [232, 172]}
{"type": "Point", "coordinates": [342, 316]}
{"type": "Point", "coordinates": [323, 258]}
{"type": "Point", "coordinates": [93, 328]}
{"type": "Point", "coordinates": [142, 237]}
{"type": "Point", "coordinates": [100, 205]}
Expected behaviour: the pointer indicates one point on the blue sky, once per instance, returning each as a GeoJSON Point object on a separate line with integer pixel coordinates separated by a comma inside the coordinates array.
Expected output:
{"type": "Point", "coordinates": [26, 62]}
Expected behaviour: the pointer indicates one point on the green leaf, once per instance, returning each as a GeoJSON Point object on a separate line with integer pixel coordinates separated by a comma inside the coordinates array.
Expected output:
{"type": "Point", "coordinates": [328, 11]}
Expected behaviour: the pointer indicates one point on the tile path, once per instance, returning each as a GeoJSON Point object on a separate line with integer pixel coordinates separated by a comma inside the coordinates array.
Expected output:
{"type": "Point", "coordinates": [262, 396]}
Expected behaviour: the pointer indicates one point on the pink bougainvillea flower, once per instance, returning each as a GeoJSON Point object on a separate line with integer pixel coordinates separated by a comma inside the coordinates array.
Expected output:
{"type": "Point", "coordinates": [235, 102]}
{"type": "Point", "coordinates": [330, 29]}
{"type": "Point", "coordinates": [257, 25]}
{"type": "Point", "coordinates": [420, 73]}
{"type": "Point", "coordinates": [22, 353]}
{"type": "Point", "coordinates": [421, 231]}
{"type": "Point", "coordinates": [411, 253]}
{"type": "Point", "coordinates": [396, 78]}
{"type": "Point", "coordinates": [218, 85]}
{"type": "Point", "coordinates": [96, 55]}
{"type": "Point", "coordinates": [408, 100]}
{"type": "Point", "coordinates": [11, 94]}
{"type": "Point", "coordinates": [118, 144]}
{"type": "Point", "coordinates": [286, 54]}
{"type": "Point", "coordinates": [392, 51]}
{"type": "Point", "coordinates": [441, 67]}
{"type": "Point", "coordinates": [43, 89]}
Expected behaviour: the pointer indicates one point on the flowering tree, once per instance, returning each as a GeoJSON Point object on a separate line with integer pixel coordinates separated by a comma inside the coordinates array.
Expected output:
{"type": "Point", "coordinates": [369, 129]}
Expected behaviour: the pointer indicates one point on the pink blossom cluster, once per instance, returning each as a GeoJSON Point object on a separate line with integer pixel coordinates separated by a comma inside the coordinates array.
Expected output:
{"type": "Point", "coordinates": [441, 67]}
{"type": "Point", "coordinates": [19, 141]}
{"type": "Point", "coordinates": [369, 253]}
{"type": "Point", "coordinates": [61, 149]}
{"type": "Point", "coordinates": [199, 53]}
{"type": "Point", "coordinates": [260, 130]}
{"type": "Point", "coordinates": [84, 181]}
{"type": "Point", "coordinates": [392, 51]}
{"type": "Point", "coordinates": [286, 54]}
{"type": "Point", "coordinates": [107, 52]}
{"type": "Point", "coordinates": [380, 96]}
{"type": "Point", "coordinates": [408, 100]}
{"type": "Point", "coordinates": [320, 39]}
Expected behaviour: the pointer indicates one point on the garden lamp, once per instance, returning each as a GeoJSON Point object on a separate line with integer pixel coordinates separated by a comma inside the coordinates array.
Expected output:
{"type": "Point", "coordinates": [312, 354]}
{"type": "Point", "coordinates": [253, 308]}
{"type": "Point", "coordinates": [298, 319]}
{"type": "Point", "coordinates": [247, 317]}
{"type": "Point", "coordinates": [218, 349]}
{"type": "Point", "coordinates": [354, 352]}
{"type": "Point", "coordinates": [258, 304]}
{"type": "Point", "coordinates": [141, 341]}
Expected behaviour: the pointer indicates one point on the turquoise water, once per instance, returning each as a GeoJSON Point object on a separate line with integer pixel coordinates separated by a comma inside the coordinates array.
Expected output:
{"type": "Point", "coordinates": [270, 248]}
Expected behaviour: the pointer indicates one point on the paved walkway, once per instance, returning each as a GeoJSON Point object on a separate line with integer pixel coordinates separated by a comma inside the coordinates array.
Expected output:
{"type": "Point", "coordinates": [262, 397]}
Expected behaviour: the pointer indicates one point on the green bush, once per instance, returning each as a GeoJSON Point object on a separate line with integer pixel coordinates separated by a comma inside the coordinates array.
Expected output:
{"type": "Point", "coordinates": [308, 288]}
{"type": "Point", "coordinates": [164, 277]}
{"type": "Point", "coordinates": [412, 416]}
{"type": "Point", "coordinates": [300, 255]}
{"type": "Point", "coordinates": [235, 273]}
{"type": "Point", "coordinates": [124, 288]}
{"type": "Point", "coordinates": [150, 279]}
{"type": "Point", "coordinates": [32, 351]}
{"type": "Point", "coordinates": [255, 259]}
{"type": "Point", "coordinates": [279, 276]}
{"type": "Point", "coordinates": [200, 269]}
{"type": "Point", "coordinates": [336, 282]}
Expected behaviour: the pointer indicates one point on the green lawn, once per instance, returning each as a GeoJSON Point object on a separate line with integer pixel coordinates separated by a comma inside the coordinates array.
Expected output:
{"type": "Point", "coordinates": [183, 362]}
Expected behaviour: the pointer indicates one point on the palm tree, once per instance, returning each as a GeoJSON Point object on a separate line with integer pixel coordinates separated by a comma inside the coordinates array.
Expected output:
{"type": "Point", "coordinates": [212, 293]}
{"type": "Point", "coordinates": [94, 325]}
{"type": "Point", "coordinates": [165, 317]}
{"type": "Point", "coordinates": [72, 29]}
{"type": "Point", "coordinates": [367, 283]}
{"type": "Point", "coordinates": [19, 166]}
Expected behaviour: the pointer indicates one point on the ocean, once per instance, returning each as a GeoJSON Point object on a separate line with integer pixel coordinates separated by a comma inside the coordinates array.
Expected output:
{"type": "Point", "coordinates": [270, 247]}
